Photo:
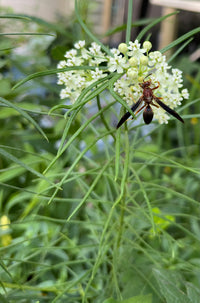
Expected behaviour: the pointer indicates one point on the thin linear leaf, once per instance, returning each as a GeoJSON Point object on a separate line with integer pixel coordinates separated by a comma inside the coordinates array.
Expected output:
{"type": "Point", "coordinates": [74, 163]}
{"type": "Point", "coordinates": [52, 26]}
{"type": "Point", "coordinates": [167, 283]}
{"type": "Point", "coordinates": [93, 37]}
{"type": "Point", "coordinates": [27, 34]}
{"type": "Point", "coordinates": [91, 188]}
{"type": "Point", "coordinates": [91, 93]}
{"type": "Point", "coordinates": [152, 24]}
{"type": "Point", "coordinates": [52, 72]}
{"type": "Point", "coordinates": [181, 39]}
{"type": "Point", "coordinates": [179, 50]}
{"type": "Point", "coordinates": [24, 114]}
{"type": "Point", "coordinates": [15, 16]}
{"type": "Point", "coordinates": [75, 135]}
{"type": "Point", "coordinates": [123, 26]}
{"type": "Point", "coordinates": [27, 167]}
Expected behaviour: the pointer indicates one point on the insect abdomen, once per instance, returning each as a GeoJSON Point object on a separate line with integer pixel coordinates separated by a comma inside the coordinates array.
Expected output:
{"type": "Point", "coordinates": [148, 114]}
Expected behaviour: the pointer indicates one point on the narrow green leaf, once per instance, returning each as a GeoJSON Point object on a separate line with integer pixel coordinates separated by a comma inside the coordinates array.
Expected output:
{"type": "Point", "coordinates": [27, 34]}
{"type": "Point", "coordinates": [14, 16]}
{"type": "Point", "coordinates": [52, 72]}
{"type": "Point", "coordinates": [88, 32]}
{"type": "Point", "coordinates": [123, 26]}
{"type": "Point", "coordinates": [91, 188]}
{"type": "Point", "coordinates": [2, 298]}
{"type": "Point", "coordinates": [152, 24]}
{"type": "Point", "coordinates": [138, 299]}
{"type": "Point", "coordinates": [181, 39]}
{"type": "Point", "coordinates": [25, 115]}
{"type": "Point", "coordinates": [168, 287]}
{"type": "Point", "coordinates": [193, 293]}
{"type": "Point", "coordinates": [179, 50]}
{"type": "Point", "coordinates": [27, 167]}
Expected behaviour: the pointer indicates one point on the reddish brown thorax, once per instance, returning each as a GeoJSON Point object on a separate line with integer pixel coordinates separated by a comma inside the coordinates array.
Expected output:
{"type": "Point", "coordinates": [147, 91]}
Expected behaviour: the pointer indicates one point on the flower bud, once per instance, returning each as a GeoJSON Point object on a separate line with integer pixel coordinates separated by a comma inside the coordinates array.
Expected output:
{"type": "Point", "coordinates": [132, 73]}
{"type": "Point", "coordinates": [144, 60]}
{"type": "Point", "coordinates": [133, 62]}
{"type": "Point", "coordinates": [123, 48]}
{"type": "Point", "coordinates": [147, 45]}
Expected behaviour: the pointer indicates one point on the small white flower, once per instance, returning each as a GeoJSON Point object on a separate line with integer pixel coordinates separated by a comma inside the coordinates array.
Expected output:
{"type": "Point", "coordinates": [74, 61]}
{"type": "Point", "coordinates": [160, 115]}
{"type": "Point", "coordinates": [95, 49]}
{"type": "Point", "coordinates": [117, 63]}
{"type": "Point", "coordinates": [65, 93]}
{"type": "Point", "coordinates": [115, 51]}
{"type": "Point", "coordinates": [135, 50]}
{"type": "Point", "coordinates": [80, 44]}
{"type": "Point", "coordinates": [156, 58]}
{"type": "Point", "coordinates": [71, 53]}
{"type": "Point", "coordinates": [97, 74]}
{"type": "Point", "coordinates": [62, 64]}
{"type": "Point", "coordinates": [185, 93]}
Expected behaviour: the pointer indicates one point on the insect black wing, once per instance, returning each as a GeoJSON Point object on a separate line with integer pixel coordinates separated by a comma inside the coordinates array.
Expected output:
{"type": "Point", "coordinates": [127, 114]}
{"type": "Point", "coordinates": [169, 110]}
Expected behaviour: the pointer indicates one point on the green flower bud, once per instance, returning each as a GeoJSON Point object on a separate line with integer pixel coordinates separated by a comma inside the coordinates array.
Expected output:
{"type": "Point", "coordinates": [132, 73]}
{"type": "Point", "coordinates": [123, 48]}
{"type": "Point", "coordinates": [144, 60]}
{"type": "Point", "coordinates": [133, 62]}
{"type": "Point", "coordinates": [147, 45]}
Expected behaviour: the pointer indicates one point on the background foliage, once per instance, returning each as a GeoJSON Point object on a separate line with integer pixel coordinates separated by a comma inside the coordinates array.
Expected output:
{"type": "Point", "coordinates": [92, 214]}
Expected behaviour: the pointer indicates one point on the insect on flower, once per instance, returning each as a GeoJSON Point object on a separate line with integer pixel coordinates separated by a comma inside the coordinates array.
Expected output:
{"type": "Point", "coordinates": [148, 97]}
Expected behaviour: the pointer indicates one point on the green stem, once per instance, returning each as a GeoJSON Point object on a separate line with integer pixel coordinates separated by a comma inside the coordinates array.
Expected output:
{"type": "Point", "coordinates": [102, 117]}
{"type": "Point", "coordinates": [129, 21]}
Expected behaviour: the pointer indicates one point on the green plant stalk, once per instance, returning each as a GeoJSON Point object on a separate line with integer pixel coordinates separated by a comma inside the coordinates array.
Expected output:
{"type": "Point", "coordinates": [93, 37]}
{"type": "Point", "coordinates": [129, 21]}
{"type": "Point", "coordinates": [75, 135]}
{"type": "Point", "coordinates": [103, 118]}
{"type": "Point", "coordinates": [94, 183]}
{"type": "Point", "coordinates": [118, 200]}
{"type": "Point", "coordinates": [75, 162]}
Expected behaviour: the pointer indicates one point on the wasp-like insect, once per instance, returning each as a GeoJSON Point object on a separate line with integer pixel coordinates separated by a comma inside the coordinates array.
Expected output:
{"type": "Point", "coordinates": [148, 97]}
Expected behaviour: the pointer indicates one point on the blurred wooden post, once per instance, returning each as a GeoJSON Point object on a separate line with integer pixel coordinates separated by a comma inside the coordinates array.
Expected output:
{"type": "Point", "coordinates": [106, 22]}
{"type": "Point", "coordinates": [168, 29]}
{"type": "Point", "coordinates": [168, 26]}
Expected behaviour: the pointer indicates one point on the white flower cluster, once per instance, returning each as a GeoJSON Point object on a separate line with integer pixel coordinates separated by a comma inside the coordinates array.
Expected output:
{"type": "Point", "coordinates": [134, 63]}
{"type": "Point", "coordinates": [76, 80]}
